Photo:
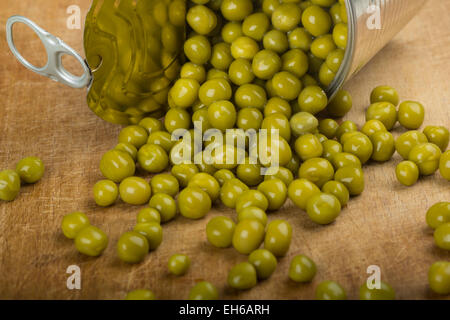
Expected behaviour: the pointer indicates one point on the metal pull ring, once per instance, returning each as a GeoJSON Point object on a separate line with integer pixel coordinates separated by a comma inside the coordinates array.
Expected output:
{"type": "Point", "coordinates": [56, 49]}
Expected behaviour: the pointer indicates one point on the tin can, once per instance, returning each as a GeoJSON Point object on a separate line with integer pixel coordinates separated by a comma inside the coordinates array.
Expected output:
{"type": "Point", "coordinates": [371, 25]}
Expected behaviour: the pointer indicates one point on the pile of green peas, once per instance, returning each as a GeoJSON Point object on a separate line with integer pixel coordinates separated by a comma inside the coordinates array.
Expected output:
{"type": "Point", "coordinates": [261, 65]}
{"type": "Point", "coordinates": [28, 170]}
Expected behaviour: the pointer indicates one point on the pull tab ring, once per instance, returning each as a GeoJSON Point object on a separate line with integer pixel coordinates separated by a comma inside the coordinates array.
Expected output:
{"type": "Point", "coordinates": [56, 49]}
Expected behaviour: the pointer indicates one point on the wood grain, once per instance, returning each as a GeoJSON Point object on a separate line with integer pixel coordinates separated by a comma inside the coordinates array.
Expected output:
{"type": "Point", "coordinates": [385, 226]}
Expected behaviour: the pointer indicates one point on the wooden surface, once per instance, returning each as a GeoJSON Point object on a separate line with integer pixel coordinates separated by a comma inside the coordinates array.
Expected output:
{"type": "Point", "coordinates": [385, 226]}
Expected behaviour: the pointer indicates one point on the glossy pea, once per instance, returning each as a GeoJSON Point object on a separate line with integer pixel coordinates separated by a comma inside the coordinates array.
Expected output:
{"type": "Point", "coordinates": [323, 208]}
{"type": "Point", "coordinates": [9, 185]}
{"type": "Point", "coordinates": [30, 169]}
{"type": "Point", "coordinates": [105, 193]}
{"type": "Point", "coordinates": [411, 114]}
{"type": "Point", "coordinates": [140, 294]}
{"type": "Point", "coordinates": [184, 173]}
{"type": "Point", "coordinates": [207, 183]}
{"type": "Point", "coordinates": [251, 198]}
{"type": "Point", "coordinates": [204, 290]}
{"type": "Point", "coordinates": [352, 178]}
{"type": "Point", "coordinates": [337, 189]}
{"type": "Point", "coordinates": [308, 146]}
{"type": "Point", "coordinates": [302, 269]}
{"type": "Point", "coordinates": [438, 135]}
{"type": "Point", "coordinates": [117, 165]}
{"type": "Point", "coordinates": [230, 191]}
{"type": "Point", "coordinates": [194, 203]}
{"type": "Point", "coordinates": [248, 236]}
{"type": "Point", "coordinates": [442, 236]}
{"type": "Point", "coordinates": [341, 104]}
{"type": "Point", "coordinates": [384, 94]}
{"type": "Point", "coordinates": [384, 112]}
{"type": "Point", "coordinates": [300, 191]}
{"type": "Point", "coordinates": [242, 276]}
{"type": "Point", "coordinates": [132, 247]}
{"type": "Point", "coordinates": [439, 277]}
{"type": "Point", "coordinates": [278, 237]}
{"type": "Point", "coordinates": [330, 290]}
{"type": "Point", "coordinates": [383, 146]}
{"type": "Point", "coordinates": [275, 191]}
{"type": "Point", "coordinates": [165, 205]}
{"type": "Point", "coordinates": [179, 264]}
{"type": "Point", "coordinates": [316, 170]}
{"type": "Point", "coordinates": [264, 262]}
{"type": "Point", "coordinates": [444, 165]}
{"type": "Point", "coordinates": [91, 241]}
{"type": "Point", "coordinates": [148, 215]}
{"type": "Point", "coordinates": [407, 173]}
{"type": "Point", "coordinates": [73, 223]}
{"type": "Point", "coordinates": [426, 156]}
{"type": "Point", "coordinates": [406, 141]}
{"type": "Point", "coordinates": [219, 231]}
{"type": "Point", "coordinates": [385, 292]}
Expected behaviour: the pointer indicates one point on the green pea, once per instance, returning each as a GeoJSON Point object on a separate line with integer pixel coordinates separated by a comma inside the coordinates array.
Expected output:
{"type": "Point", "coordinates": [140, 294]}
{"type": "Point", "coordinates": [9, 185]}
{"type": "Point", "coordinates": [330, 290]}
{"type": "Point", "coordinates": [385, 292]}
{"type": "Point", "coordinates": [444, 165]}
{"type": "Point", "coordinates": [308, 146]}
{"type": "Point", "coordinates": [302, 123]}
{"type": "Point", "coordinates": [219, 231]}
{"type": "Point", "coordinates": [264, 262]}
{"type": "Point", "coordinates": [384, 94]}
{"type": "Point", "coordinates": [117, 165]}
{"type": "Point", "coordinates": [278, 237]}
{"type": "Point", "coordinates": [344, 159]}
{"type": "Point", "coordinates": [105, 193]}
{"type": "Point", "coordinates": [407, 173]}
{"type": "Point", "coordinates": [340, 105]}
{"type": "Point", "coordinates": [323, 208]}
{"type": "Point", "coordinates": [440, 136]}
{"type": "Point", "coordinates": [384, 112]}
{"type": "Point", "coordinates": [242, 276]}
{"type": "Point", "coordinates": [132, 247]}
{"type": "Point", "coordinates": [316, 170]}
{"type": "Point", "coordinates": [439, 277]}
{"type": "Point", "coordinates": [184, 173]}
{"type": "Point", "coordinates": [312, 99]}
{"type": "Point", "coordinates": [127, 148]}
{"type": "Point", "coordinates": [346, 126]}
{"type": "Point", "coordinates": [179, 264]}
{"type": "Point", "coordinates": [153, 158]}
{"type": "Point", "coordinates": [148, 215]}
{"type": "Point", "coordinates": [134, 135]}
{"type": "Point", "coordinates": [352, 178]}
{"type": "Point", "coordinates": [442, 236]}
{"type": "Point", "coordinates": [248, 236]}
{"type": "Point", "coordinates": [360, 146]}
{"type": "Point", "coordinates": [73, 223]}
{"type": "Point", "coordinates": [151, 125]}
{"type": "Point", "coordinates": [426, 156]}
{"type": "Point", "coordinates": [165, 205]}
{"type": "Point", "coordinates": [330, 149]}
{"type": "Point", "coordinates": [337, 189]}
{"type": "Point", "coordinates": [91, 241]}
{"type": "Point", "coordinates": [411, 114]}
{"type": "Point", "coordinates": [373, 126]}
{"type": "Point", "coordinates": [328, 127]}
{"type": "Point", "coordinates": [383, 146]}
{"type": "Point", "coordinates": [152, 231]}
{"type": "Point", "coordinates": [316, 20]}
{"type": "Point", "coordinates": [251, 198]}
{"type": "Point", "coordinates": [302, 269]}
{"type": "Point", "coordinates": [230, 191]}
{"type": "Point", "coordinates": [194, 203]}
{"type": "Point", "coordinates": [135, 191]}
{"type": "Point", "coordinates": [300, 191]}
{"type": "Point", "coordinates": [204, 291]}
{"type": "Point", "coordinates": [281, 173]}
{"type": "Point", "coordinates": [30, 169]}
{"type": "Point", "coordinates": [275, 191]}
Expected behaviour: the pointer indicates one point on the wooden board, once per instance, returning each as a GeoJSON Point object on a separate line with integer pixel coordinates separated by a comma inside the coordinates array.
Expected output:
{"type": "Point", "coordinates": [385, 226]}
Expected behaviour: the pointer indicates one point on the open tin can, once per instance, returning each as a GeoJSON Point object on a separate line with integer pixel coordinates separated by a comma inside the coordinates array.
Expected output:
{"type": "Point", "coordinates": [134, 50]}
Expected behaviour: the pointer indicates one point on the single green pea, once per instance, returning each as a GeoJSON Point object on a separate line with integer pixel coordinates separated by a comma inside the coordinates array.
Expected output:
{"type": "Point", "coordinates": [197, 49]}
{"type": "Point", "coordinates": [117, 165]}
{"type": "Point", "coordinates": [250, 95]}
{"type": "Point", "coordinates": [385, 292]}
{"type": "Point", "coordinates": [316, 170]}
{"type": "Point", "coordinates": [323, 208]}
{"type": "Point", "coordinates": [9, 185]}
{"type": "Point", "coordinates": [231, 31]}
{"type": "Point", "coordinates": [153, 158]}
{"type": "Point", "coordinates": [411, 114]}
{"type": "Point", "coordinates": [222, 115]}
{"type": "Point", "coordinates": [152, 231]}
{"type": "Point", "coordinates": [302, 123]}
{"type": "Point", "coordinates": [242, 276]}
{"type": "Point", "coordinates": [191, 71]}
{"type": "Point", "coordinates": [347, 126]}
{"type": "Point", "coordinates": [105, 193]}
{"type": "Point", "coordinates": [91, 241]}
{"type": "Point", "coordinates": [328, 127]}
{"type": "Point", "coordinates": [223, 175]}
{"type": "Point", "coordinates": [179, 264]}
{"type": "Point", "coordinates": [207, 183]}
{"type": "Point", "coordinates": [277, 105]}
{"type": "Point", "coordinates": [177, 118]}
{"type": "Point", "coordinates": [73, 223]}
{"type": "Point", "coordinates": [219, 231]}
{"type": "Point", "coordinates": [439, 277]}
{"type": "Point", "coordinates": [255, 25]}
{"type": "Point", "coordinates": [406, 141]}
{"type": "Point", "coordinates": [204, 291]}
{"type": "Point", "coordinates": [132, 247]}
{"type": "Point", "coordinates": [286, 85]}
{"type": "Point", "coordinates": [442, 236]}
{"type": "Point", "coordinates": [352, 178]}
{"type": "Point", "coordinates": [330, 290]}
{"type": "Point", "coordinates": [322, 46]}
{"type": "Point", "coordinates": [384, 94]}
{"type": "Point", "coordinates": [308, 146]}
{"type": "Point", "coordinates": [426, 156]}
{"type": "Point", "coordinates": [264, 262]}
{"type": "Point", "coordinates": [440, 136]}
{"type": "Point", "coordinates": [30, 169]}
{"type": "Point", "coordinates": [326, 75]}
{"type": "Point", "coordinates": [344, 159]}
{"type": "Point", "coordinates": [330, 149]}
{"type": "Point", "coordinates": [275, 191]}
{"type": "Point", "coordinates": [281, 173]}
{"type": "Point", "coordinates": [438, 214]}
{"type": "Point", "coordinates": [140, 294]}
{"type": "Point", "coordinates": [244, 47]}
{"type": "Point", "coordinates": [278, 122]}
{"type": "Point", "coordinates": [373, 126]}
{"type": "Point", "coordinates": [276, 41]}
{"type": "Point", "coordinates": [296, 62]}
{"type": "Point", "coordinates": [165, 183]}
{"type": "Point", "coordinates": [151, 125]}
{"type": "Point", "coordinates": [340, 105]}
{"type": "Point", "coordinates": [135, 191]}
{"type": "Point", "coordinates": [165, 205]}
{"type": "Point", "coordinates": [201, 19]}
{"type": "Point", "coordinates": [236, 10]}
{"type": "Point", "coordinates": [251, 198]}
{"type": "Point", "coordinates": [127, 148]}
{"type": "Point", "coordinates": [162, 139]}
{"type": "Point", "coordinates": [312, 99]}
{"type": "Point", "coordinates": [302, 269]}
{"type": "Point", "coordinates": [384, 112]}
{"type": "Point", "coordinates": [249, 173]}
{"type": "Point", "coordinates": [340, 32]}
{"type": "Point", "coordinates": [184, 173]}
{"type": "Point", "coordinates": [335, 13]}
{"type": "Point", "coordinates": [230, 191]}
{"type": "Point", "coordinates": [360, 146]}
{"type": "Point", "coordinates": [383, 146]}
{"type": "Point", "coordinates": [148, 215]}
{"type": "Point", "coordinates": [278, 237]}
{"type": "Point", "coordinates": [334, 59]}
{"type": "Point", "coordinates": [337, 189]}
{"type": "Point", "coordinates": [316, 20]}
{"type": "Point", "coordinates": [135, 135]}
{"type": "Point", "coordinates": [194, 203]}
{"type": "Point", "coordinates": [248, 236]}
{"type": "Point", "coordinates": [444, 165]}
{"type": "Point", "coordinates": [255, 213]}
{"type": "Point", "coordinates": [300, 191]}
{"type": "Point", "coordinates": [407, 173]}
